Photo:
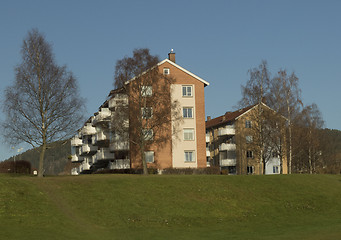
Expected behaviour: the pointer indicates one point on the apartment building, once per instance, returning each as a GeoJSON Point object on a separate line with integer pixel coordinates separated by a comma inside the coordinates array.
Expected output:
{"type": "Point", "coordinates": [107, 142]}
{"type": "Point", "coordinates": [238, 145]}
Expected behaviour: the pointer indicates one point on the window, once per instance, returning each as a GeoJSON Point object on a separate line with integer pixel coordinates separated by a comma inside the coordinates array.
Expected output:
{"type": "Point", "coordinates": [248, 124]}
{"type": "Point", "coordinates": [187, 91]}
{"type": "Point", "coordinates": [146, 91]}
{"type": "Point", "coordinates": [187, 112]}
{"type": "Point", "coordinates": [249, 139]}
{"type": "Point", "coordinates": [147, 134]}
{"type": "Point", "coordinates": [166, 71]}
{"type": "Point", "coordinates": [249, 154]}
{"type": "Point", "coordinates": [189, 156]}
{"type": "Point", "coordinates": [250, 169]}
{"type": "Point", "coordinates": [147, 112]}
{"type": "Point", "coordinates": [275, 169]}
{"type": "Point", "coordinates": [188, 134]}
{"type": "Point", "coordinates": [149, 156]}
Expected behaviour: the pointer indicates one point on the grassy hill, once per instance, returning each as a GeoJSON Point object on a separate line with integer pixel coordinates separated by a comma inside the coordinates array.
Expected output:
{"type": "Point", "coordinates": [171, 207]}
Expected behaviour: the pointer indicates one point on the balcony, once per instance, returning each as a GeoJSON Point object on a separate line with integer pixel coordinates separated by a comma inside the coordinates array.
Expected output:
{"type": "Point", "coordinates": [84, 166]}
{"type": "Point", "coordinates": [102, 136]}
{"type": "Point", "coordinates": [87, 149]}
{"type": "Point", "coordinates": [76, 158]}
{"type": "Point", "coordinates": [207, 137]}
{"type": "Point", "coordinates": [102, 116]}
{"type": "Point", "coordinates": [88, 129]}
{"type": "Point", "coordinates": [119, 146]}
{"type": "Point", "coordinates": [120, 164]}
{"type": "Point", "coordinates": [208, 153]}
{"type": "Point", "coordinates": [76, 141]}
{"type": "Point", "coordinates": [119, 100]}
{"type": "Point", "coordinates": [104, 154]}
{"type": "Point", "coordinates": [228, 130]}
{"type": "Point", "coordinates": [227, 147]}
{"type": "Point", "coordinates": [228, 162]}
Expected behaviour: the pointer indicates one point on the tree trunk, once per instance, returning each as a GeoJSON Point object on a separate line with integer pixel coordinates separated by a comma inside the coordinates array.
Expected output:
{"type": "Point", "coordinates": [41, 160]}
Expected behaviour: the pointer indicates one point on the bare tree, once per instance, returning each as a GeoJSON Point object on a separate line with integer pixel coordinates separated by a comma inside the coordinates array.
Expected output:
{"type": "Point", "coordinates": [308, 125]}
{"type": "Point", "coordinates": [150, 105]}
{"type": "Point", "coordinates": [253, 93]}
{"type": "Point", "coordinates": [285, 98]}
{"type": "Point", "coordinates": [43, 104]}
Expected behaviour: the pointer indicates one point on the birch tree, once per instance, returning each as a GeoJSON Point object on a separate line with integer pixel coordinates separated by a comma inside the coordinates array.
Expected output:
{"type": "Point", "coordinates": [42, 105]}
{"type": "Point", "coordinates": [285, 98]}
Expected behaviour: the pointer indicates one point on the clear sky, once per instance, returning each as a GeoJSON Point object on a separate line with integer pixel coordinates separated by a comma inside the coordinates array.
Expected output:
{"type": "Point", "coordinates": [217, 40]}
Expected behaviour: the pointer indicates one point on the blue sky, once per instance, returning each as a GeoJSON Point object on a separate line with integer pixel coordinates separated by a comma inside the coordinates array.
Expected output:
{"type": "Point", "coordinates": [217, 40]}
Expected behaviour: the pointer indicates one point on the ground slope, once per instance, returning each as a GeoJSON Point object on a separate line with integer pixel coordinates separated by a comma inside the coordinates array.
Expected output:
{"type": "Point", "coordinates": [171, 207]}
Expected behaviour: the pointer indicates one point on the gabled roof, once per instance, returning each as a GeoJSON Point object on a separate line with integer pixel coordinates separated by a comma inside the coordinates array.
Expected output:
{"type": "Point", "coordinates": [227, 117]}
{"type": "Point", "coordinates": [175, 65]}
{"type": "Point", "coordinates": [233, 116]}
{"type": "Point", "coordinates": [184, 70]}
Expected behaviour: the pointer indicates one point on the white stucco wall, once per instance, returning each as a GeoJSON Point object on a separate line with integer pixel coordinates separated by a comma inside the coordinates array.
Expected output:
{"type": "Point", "coordinates": [179, 145]}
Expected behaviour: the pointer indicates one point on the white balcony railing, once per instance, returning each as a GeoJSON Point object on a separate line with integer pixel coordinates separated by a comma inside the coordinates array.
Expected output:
{"type": "Point", "coordinates": [76, 158]}
{"type": "Point", "coordinates": [103, 115]}
{"type": "Point", "coordinates": [208, 153]}
{"type": "Point", "coordinates": [76, 141]}
{"type": "Point", "coordinates": [207, 137]}
{"type": "Point", "coordinates": [88, 129]}
{"type": "Point", "coordinates": [228, 162]}
{"type": "Point", "coordinates": [102, 136]}
{"type": "Point", "coordinates": [104, 154]}
{"type": "Point", "coordinates": [227, 147]}
{"type": "Point", "coordinates": [228, 130]}
{"type": "Point", "coordinates": [120, 164]}
{"type": "Point", "coordinates": [119, 146]}
{"type": "Point", "coordinates": [87, 149]}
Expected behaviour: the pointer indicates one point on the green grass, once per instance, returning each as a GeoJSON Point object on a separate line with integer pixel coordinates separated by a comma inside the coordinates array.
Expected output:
{"type": "Point", "coordinates": [171, 207]}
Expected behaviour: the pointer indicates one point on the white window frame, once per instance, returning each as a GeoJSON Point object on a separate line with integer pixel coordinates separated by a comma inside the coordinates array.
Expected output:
{"type": "Point", "coordinates": [148, 134]}
{"type": "Point", "coordinates": [186, 92]}
{"type": "Point", "coordinates": [146, 91]}
{"type": "Point", "coordinates": [189, 134]}
{"type": "Point", "coordinates": [149, 156]}
{"type": "Point", "coordinates": [185, 112]}
{"type": "Point", "coordinates": [189, 156]}
{"type": "Point", "coordinates": [249, 139]}
{"type": "Point", "coordinates": [166, 71]}
{"type": "Point", "coordinates": [248, 124]}
{"type": "Point", "coordinates": [147, 112]}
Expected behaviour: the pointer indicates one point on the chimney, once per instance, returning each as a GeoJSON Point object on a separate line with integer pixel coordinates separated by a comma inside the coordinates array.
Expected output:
{"type": "Point", "coordinates": [171, 56]}
{"type": "Point", "coordinates": [208, 118]}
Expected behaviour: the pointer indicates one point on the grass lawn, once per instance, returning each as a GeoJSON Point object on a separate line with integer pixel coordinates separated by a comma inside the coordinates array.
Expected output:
{"type": "Point", "coordinates": [171, 207]}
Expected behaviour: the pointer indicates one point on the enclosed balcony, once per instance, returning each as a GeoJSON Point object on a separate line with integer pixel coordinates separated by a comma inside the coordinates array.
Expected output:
{"type": "Point", "coordinates": [227, 147]}
{"type": "Point", "coordinates": [88, 129]}
{"type": "Point", "coordinates": [228, 162]}
{"type": "Point", "coordinates": [207, 137]}
{"type": "Point", "coordinates": [102, 116]}
{"type": "Point", "coordinates": [227, 130]}
{"type": "Point", "coordinates": [120, 164]}
{"type": "Point", "coordinates": [104, 154]}
{"type": "Point", "coordinates": [208, 153]}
